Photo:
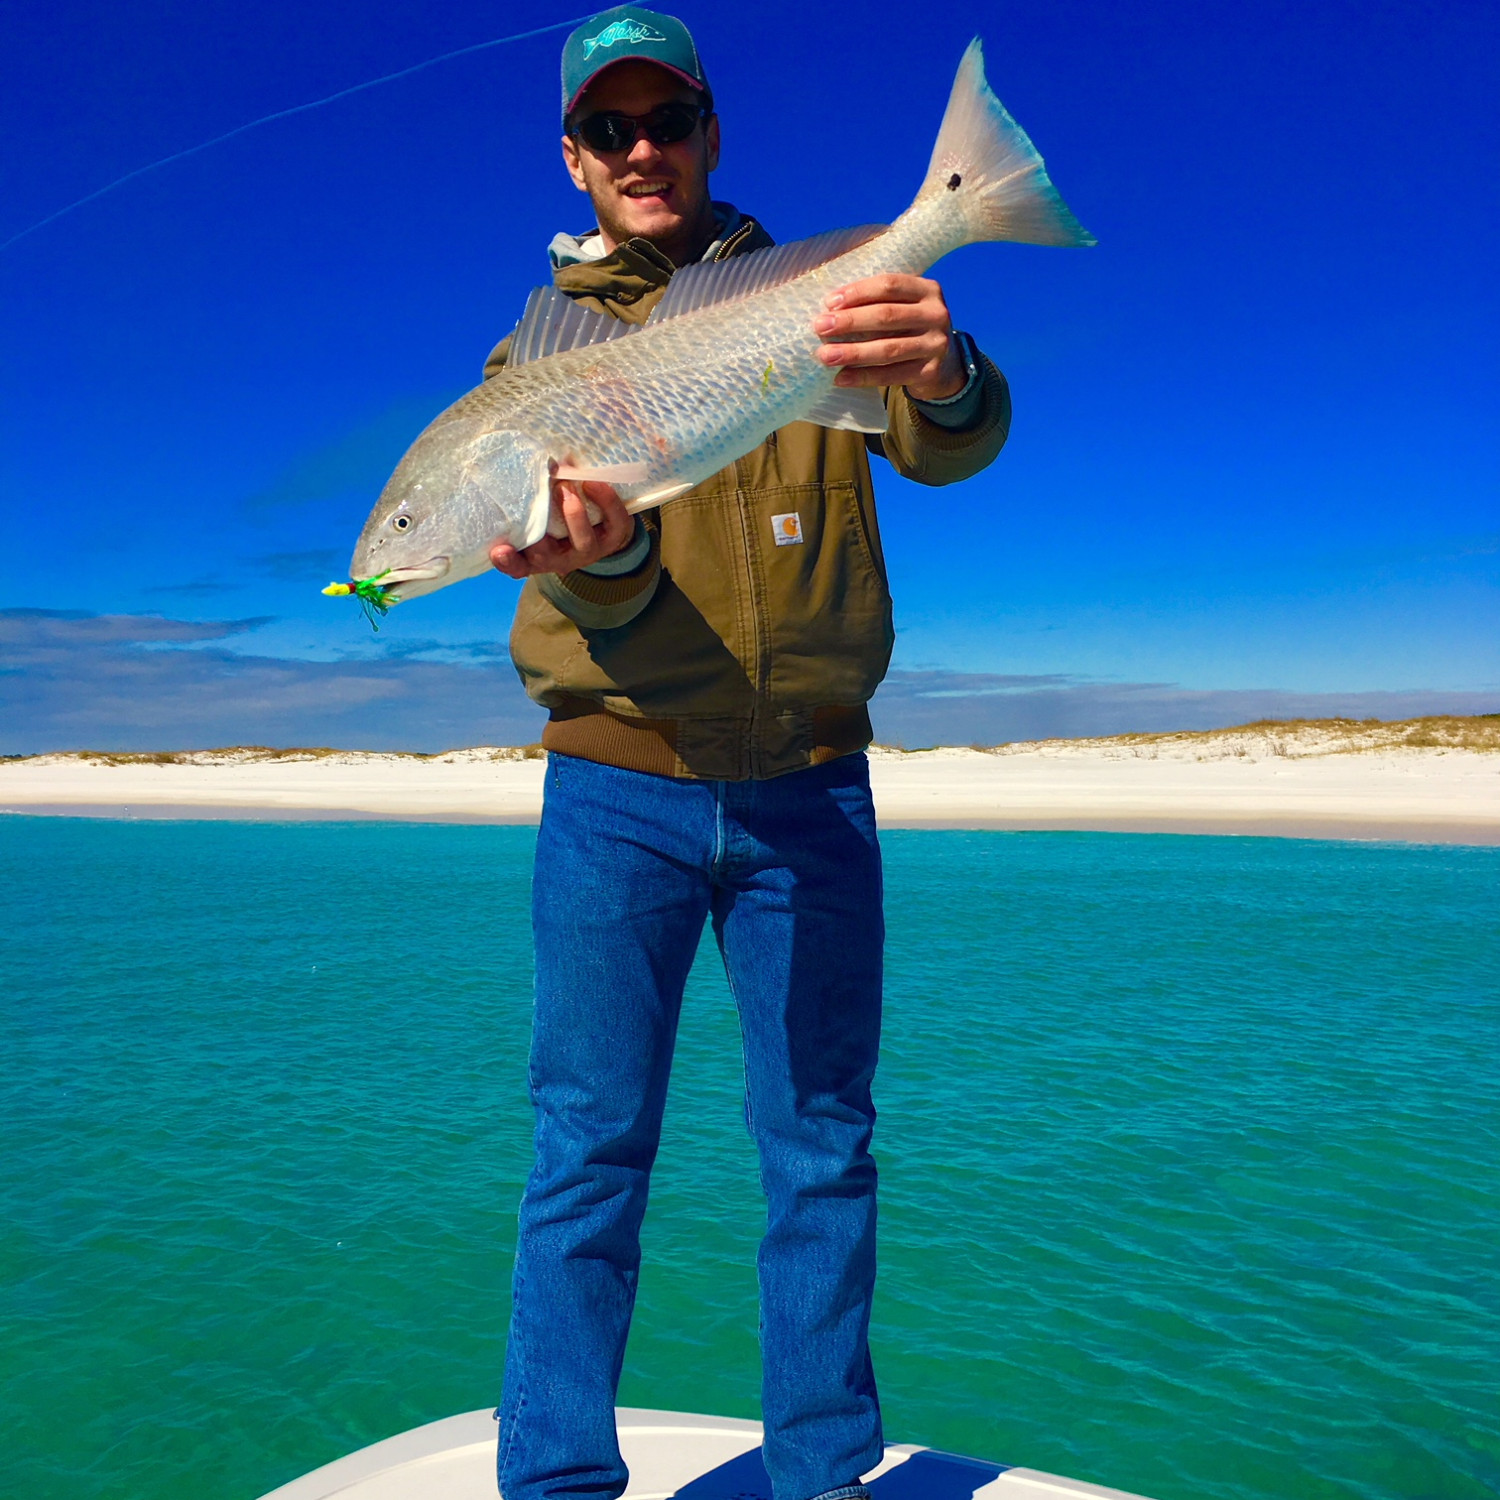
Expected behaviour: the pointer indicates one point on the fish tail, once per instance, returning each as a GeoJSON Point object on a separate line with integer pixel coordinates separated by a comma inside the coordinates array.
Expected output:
{"type": "Point", "coordinates": [991, 169]}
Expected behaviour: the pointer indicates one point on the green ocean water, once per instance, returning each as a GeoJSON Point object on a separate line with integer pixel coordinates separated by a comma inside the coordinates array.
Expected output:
{"type": "Point", "coordinates": [1190, 1158]}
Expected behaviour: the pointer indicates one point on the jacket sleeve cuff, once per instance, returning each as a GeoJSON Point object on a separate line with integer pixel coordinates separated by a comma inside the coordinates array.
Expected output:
{"type": "Point", "coordinates": [627, 559]}
{"type": "Point", "coordinates": [964, 408]}
{"type": "Point", "coordinates": [596, 602]}
{"type": "Point", "coordinates": [923, 450]}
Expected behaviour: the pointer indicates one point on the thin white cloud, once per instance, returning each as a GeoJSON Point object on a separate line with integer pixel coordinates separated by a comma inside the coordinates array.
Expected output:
{"type": "Point", "coordinates": [27, 635]}
{"type": "Point", "coordinates": [70, 681]}
{"type": "Point", "coordinates": [917, 708]}
{"type": "Point", "coordinates": [73, 681]}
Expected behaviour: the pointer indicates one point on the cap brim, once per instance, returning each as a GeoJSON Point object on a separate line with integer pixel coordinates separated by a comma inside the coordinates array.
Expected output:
{"type": "Point", "coordinates": [615, 62]}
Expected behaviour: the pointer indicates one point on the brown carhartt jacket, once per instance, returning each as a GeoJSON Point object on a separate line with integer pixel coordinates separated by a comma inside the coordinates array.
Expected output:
{"type": "Point", "coordinates": [726, 655]}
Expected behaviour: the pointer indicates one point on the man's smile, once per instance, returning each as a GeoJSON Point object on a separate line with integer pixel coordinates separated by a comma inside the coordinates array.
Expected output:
{"type": "Point", "coordinates": [654, 187]}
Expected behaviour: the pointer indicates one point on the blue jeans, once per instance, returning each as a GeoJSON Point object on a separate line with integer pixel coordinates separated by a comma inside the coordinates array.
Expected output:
{"type": "Point", "coordinates": [628, 866]}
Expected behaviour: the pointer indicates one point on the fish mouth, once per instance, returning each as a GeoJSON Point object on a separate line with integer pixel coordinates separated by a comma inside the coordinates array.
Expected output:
{"type": "Point", "coordinates": [394, 584]}
{"type": "Point", "coordinates": [434, 567]}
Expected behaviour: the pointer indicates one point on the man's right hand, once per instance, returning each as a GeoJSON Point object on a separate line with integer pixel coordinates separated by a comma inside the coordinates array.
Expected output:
{"type": "Point", "coordinates": [585, 542]}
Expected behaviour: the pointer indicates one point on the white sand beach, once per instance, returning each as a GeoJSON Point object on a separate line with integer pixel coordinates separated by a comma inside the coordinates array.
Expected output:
{"type": "Point", "coordinates": [1430, 781]}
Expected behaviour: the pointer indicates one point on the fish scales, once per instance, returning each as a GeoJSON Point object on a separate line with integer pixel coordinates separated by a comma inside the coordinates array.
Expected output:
{"type": "Point", "coordinates": [697, 382]}
{"type": "Point", "coordinates": [666, 405]}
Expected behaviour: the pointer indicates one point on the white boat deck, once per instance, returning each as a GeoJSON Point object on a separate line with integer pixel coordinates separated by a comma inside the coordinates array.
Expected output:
{"type": "Point", "coordinates": [670, 1454]}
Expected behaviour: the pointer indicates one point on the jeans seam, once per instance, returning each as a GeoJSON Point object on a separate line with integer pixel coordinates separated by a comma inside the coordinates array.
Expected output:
{"type": "Point", "coordinates": [510, 1437]}
{"type": "Point", "coordinates": [716, 869]}
{"type": "Point", "coordinates": [739, 1016]}
{"type": "Point", "coordinates": [520, 1401]}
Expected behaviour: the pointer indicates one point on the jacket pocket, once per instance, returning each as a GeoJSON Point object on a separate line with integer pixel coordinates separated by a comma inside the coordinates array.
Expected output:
{"type": "Point", "coordinates": [690, 652]}
{"type": "Point", "coordinates": [821, 606]}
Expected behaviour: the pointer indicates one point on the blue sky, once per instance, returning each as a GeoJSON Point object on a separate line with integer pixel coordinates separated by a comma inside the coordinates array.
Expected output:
{"type": "Point", "coordinates": [1255, 454]}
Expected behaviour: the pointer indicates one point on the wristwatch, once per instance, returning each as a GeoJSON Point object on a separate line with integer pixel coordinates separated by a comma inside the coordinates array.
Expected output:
{"type": "Point", "coordinates": [970, 356]}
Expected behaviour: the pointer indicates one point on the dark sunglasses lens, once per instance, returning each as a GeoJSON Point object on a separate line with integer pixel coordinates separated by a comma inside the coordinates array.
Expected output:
{"type": "Point", "coordinates": [670, 124]}
{"type": "Point", "coordinates": [666, 126]}
{"type": "Point", "coordinates": [606, 132]}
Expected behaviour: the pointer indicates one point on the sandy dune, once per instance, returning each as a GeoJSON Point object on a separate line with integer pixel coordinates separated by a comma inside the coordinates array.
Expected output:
{"type": "Point", "coordinates": [1312, 781]}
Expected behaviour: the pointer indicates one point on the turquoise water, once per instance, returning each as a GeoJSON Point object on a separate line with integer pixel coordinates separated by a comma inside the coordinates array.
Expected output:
{"type": "Point", "coordinates": [1189, 1148]}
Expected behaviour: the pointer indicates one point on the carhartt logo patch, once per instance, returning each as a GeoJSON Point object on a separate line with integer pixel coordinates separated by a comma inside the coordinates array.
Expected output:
{"type": "Point", "coordinates": [633, 32]}
{"type": "Point", "coordinates": [788, 529]}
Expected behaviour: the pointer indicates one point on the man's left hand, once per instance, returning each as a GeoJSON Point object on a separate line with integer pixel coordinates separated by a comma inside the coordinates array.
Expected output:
{"type": "Point", "coordinates": [586, 541]}
{"type": "Point", "coordinates": [893, 330]}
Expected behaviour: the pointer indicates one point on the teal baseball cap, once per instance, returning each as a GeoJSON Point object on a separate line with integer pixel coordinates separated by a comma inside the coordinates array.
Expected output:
{"type": "Point", "coordinates": [628, 31]}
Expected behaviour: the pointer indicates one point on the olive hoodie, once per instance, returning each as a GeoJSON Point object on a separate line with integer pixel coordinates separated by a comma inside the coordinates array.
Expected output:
{"type": "Point", "coordinates": [749, 636]}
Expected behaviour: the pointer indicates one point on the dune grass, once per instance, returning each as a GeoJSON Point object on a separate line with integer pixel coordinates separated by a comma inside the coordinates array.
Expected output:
{"type": "Point", "coordinates": [252, 754]}
{"type": "Point", "coordinates": [1294, 738]}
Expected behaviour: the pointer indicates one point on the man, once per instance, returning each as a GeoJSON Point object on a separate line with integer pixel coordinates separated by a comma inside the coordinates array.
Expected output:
{"type": "Point", "coordinates": [707, 668]}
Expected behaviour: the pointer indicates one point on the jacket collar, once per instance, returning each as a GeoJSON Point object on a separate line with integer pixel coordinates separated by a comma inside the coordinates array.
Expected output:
{"type": "Point", "coordinates": [637, 267]}
{"type": "Point", "coordinates": [570, 249]}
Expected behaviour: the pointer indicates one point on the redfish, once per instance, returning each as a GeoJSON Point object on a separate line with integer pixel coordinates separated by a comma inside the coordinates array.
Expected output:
{"type": "Point", "coordinates": [726, 357]}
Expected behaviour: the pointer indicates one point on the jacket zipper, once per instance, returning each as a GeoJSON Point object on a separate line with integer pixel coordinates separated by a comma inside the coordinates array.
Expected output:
{"type": "Point", "coordinates": [757, 629]}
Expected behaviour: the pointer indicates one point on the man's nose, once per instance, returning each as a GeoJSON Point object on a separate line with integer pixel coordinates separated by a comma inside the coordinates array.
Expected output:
{"type": "Point", "coordinates": [644, 153]}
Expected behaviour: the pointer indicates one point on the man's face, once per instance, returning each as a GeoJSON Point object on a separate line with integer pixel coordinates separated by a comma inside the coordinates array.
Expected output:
{"type": "Point", "coordinates": [659, 193]}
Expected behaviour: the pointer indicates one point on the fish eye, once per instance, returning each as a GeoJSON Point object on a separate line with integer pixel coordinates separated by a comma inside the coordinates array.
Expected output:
{"type": "Point", "coordinates": [402, 522]}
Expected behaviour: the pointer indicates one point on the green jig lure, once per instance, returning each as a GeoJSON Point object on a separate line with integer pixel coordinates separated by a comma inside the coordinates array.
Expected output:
{"type": "Point", "coordinates": [374, 596]}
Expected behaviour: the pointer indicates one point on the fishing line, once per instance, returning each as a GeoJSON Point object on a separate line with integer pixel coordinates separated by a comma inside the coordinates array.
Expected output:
{"type": "Point", "coordinates": [282, 114]}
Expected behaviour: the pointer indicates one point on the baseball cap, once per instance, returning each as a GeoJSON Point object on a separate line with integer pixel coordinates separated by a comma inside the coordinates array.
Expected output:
{"type": "Point", "coordinates": [627, 31]}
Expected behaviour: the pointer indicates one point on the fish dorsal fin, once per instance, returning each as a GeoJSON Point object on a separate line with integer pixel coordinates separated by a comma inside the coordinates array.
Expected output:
{"type": "Point", "coordinates": [553, 323]}
{"type": "Point", "coordinates": [708, 283]}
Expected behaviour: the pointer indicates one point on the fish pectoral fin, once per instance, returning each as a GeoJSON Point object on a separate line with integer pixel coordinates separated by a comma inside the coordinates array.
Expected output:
{"type": "Point", "coordinates": [854, 408]}
{"type": "Point", "coordinates": [659, 496]}
{"type": "Point", "coordinates": [616, 474]}
{"type": "Point", "coordinates": [539, 518]}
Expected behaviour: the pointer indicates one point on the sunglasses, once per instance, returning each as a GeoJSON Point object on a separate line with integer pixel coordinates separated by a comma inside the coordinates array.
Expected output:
{"type": "Point", "coordinates": [664, 126]}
